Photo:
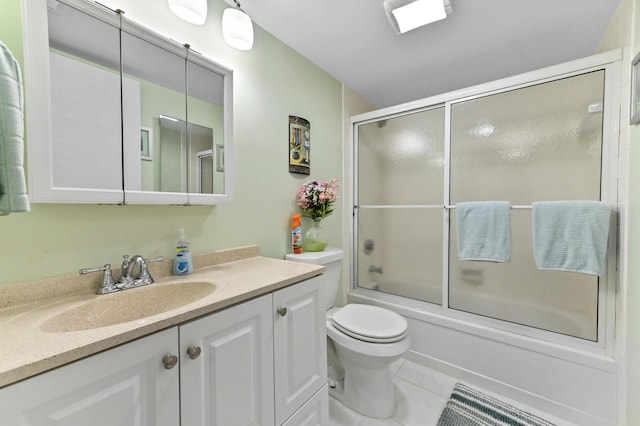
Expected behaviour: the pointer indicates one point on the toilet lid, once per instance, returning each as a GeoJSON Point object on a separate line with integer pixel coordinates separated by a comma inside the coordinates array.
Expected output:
{"type": "Point", "coordinates": [370, 323]}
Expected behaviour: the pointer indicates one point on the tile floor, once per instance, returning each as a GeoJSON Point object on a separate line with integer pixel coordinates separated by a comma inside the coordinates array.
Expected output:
{"type": "Point", "coordinates": [421, 394]}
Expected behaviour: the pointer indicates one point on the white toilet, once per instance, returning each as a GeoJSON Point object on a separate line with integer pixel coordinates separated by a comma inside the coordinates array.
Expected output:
{"type": "Point", "coordinates": [363, 341]}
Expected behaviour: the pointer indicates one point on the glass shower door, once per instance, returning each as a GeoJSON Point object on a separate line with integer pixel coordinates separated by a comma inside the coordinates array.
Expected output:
{"type": "Point", "coordinates": [399, 205]}
{"type": "Point", "coordinates": [539, 143]}
{"type": "Point", "coordinates": [542, 142]}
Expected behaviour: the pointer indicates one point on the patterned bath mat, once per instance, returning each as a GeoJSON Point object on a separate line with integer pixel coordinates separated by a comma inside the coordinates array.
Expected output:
{"type": "Point", "coordinates": [468, 407]}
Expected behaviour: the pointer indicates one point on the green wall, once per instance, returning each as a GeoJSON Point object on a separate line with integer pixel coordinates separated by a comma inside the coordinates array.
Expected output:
{"type": "Point", "coordinates": [271, 82]}
{"type": "Point", "coordinates": [11, 28]}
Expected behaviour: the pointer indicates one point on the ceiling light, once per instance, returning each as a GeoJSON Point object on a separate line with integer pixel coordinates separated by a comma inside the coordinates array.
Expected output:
{"type": "Point", "coordinates": [405, 15]}
{"type": "Point", "coordinates": [194, 11]}
{"type": "Point", "coordinates": [237, 28]}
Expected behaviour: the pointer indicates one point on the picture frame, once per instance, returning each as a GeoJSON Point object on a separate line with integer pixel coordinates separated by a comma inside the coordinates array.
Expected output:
{"type": "Point", "coordinates": [220, 158]}
{"type": "Point", "coordinates": [299, 145]}
{"type": "Point", "coordinates": [635, 90]}
{"type": "Point", "coordinates": [146, 143]}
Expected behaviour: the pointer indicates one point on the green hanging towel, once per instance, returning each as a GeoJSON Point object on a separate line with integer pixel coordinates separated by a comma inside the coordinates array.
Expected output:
{"type": "Point", "coordinates": [13, 186]}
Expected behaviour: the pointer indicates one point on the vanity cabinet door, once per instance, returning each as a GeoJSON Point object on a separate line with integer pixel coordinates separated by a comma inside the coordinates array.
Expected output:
{"type": "Point", "coordinates": [300, 352]}
{"type": "Point", "coordinates": [226, 367]}
{"type": "Point", "coordinates": [315, 412]}
{"type": "Point", "coordinates": [127, 385]}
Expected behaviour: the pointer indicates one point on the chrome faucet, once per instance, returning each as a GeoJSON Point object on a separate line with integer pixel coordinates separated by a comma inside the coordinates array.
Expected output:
{"type": "Point", "coordinates": [127, 280]}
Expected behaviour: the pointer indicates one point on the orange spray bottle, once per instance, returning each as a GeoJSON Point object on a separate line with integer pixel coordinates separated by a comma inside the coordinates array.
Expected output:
{"type": "Point", "coordinates": [296, 235]}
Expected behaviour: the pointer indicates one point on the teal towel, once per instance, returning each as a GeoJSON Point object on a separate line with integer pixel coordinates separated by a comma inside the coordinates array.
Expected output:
{"type": "Point", "coordinates": [13, 187]}
{"type": "Point", "coordinates": [571, 235]}
{"type": "Point", "coordinates": [484, 230]}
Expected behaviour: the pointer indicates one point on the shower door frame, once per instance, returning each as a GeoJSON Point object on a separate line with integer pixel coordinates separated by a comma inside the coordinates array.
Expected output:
{"type": "Point", "coordinates": [610, 63]}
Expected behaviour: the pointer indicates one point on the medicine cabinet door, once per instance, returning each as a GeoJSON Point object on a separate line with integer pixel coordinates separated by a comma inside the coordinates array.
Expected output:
{"type": "Point", "coordinates": [73, 110]}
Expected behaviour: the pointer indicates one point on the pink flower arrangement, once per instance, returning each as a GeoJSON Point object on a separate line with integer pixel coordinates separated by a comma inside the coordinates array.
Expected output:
{"type": "Point", "coordinates": [317, 199]}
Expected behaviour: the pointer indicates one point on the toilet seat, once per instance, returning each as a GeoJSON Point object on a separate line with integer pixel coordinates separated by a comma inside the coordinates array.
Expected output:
{"type": "Point", "coordinates": [369, 323]}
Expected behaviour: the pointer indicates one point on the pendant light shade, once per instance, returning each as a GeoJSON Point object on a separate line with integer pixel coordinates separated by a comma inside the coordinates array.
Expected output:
{"type": "Point", "coordinates": [194, 11]}
{"type": "Point", "coordinates": [237, 28]}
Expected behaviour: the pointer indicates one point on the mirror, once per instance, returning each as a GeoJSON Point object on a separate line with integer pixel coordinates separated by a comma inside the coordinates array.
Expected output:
{"type": "Point", "coordinates": [135, 118]}
{"type": "Point", "coordinates": [205, 105]}
{"type": "Point", "coordinates": [159, 87]}
{"type": "Point", "coordinates": [86, 145]}
{"type": "Point", "coordinates": [187, 158]}
{"type": "Point", "coordinates": [180, 97]}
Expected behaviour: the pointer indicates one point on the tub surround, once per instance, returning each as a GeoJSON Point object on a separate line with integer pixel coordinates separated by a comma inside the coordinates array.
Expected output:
{"type": "Point", "coordinates": [564, 382]}
{"type": "Point", "coordinates": [27, 349]}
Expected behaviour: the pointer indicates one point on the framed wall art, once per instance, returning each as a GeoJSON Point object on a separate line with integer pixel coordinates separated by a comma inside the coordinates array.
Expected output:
{"type": "Point", "coordinates": [146, 143]}
{"type": "Point", "coordinates": [299, 145]}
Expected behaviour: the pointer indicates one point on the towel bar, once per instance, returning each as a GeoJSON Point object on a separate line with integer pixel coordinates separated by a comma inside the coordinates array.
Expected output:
{"type": "Point", "coordinates": [433, 206]}
{"type": "Point", "coordinates": [512, 207]}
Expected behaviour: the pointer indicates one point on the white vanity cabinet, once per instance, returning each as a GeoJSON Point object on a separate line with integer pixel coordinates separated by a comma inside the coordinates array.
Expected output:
{"type": "Point", "coordinates": [230, 382]}
{"type": "Point", "coordinates": [259, 363]}
{"type": "Point", "coordinates": [315, 412]}
{"type": "Point", "coordinates": [127, 385]}
{"type": "Point", "coordinates": [300, 360]}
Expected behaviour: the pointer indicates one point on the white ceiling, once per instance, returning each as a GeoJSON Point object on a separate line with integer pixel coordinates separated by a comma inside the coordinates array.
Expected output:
{"type": "Point", "coordinates": [482, 40]}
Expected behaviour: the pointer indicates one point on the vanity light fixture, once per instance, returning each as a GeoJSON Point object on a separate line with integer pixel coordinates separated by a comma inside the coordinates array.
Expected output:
{"type": "Point", "coordinates": [193, 11]}
{"type": "Point", "coordinates": [406, 15]}
{"type": "Point", "coordinates": [237, 28]}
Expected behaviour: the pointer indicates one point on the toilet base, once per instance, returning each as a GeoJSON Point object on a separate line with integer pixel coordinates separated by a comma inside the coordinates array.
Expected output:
{"type": "Point", "coordinates": [365, 389]}
{"type": "Point", "coordinates": [369, 392]}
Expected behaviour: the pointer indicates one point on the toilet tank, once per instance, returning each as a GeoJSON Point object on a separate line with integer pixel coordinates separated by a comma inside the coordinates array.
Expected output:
{"type": "Point", "coordinates": [331, 259]}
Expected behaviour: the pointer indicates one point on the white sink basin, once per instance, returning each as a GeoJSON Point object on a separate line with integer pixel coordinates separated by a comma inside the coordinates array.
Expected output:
{"type": "Point", "coordinates": [128, 305]}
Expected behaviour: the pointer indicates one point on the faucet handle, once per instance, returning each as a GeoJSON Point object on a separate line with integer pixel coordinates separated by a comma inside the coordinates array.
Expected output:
{"type": "Point", "coordinates": [144, 277]}
{"type": "Point", "coordinates": [108, 284]}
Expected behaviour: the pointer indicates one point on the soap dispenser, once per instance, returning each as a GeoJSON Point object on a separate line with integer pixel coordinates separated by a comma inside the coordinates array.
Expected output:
{"type": "Point", "coordinates": [182, 264]}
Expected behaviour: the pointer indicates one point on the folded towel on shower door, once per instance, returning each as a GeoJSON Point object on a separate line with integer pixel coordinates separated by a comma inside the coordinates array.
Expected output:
{"type": "Point", "coordinates": [13, 187]}
{"type": "Point", "coordinates": [571, 235]}
{"type": "Point", "coordinates": [484, 230]}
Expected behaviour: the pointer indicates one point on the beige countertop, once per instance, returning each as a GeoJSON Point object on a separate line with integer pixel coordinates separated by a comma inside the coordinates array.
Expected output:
{"type": "Point", "coordinates": [30, 344]}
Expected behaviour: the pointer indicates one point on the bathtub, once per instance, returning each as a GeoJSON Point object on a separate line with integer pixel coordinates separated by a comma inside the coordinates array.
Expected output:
{"type": "Point", "coordinates": [574, 381]}
{"type": "Point", "coordinates": [516, 311]}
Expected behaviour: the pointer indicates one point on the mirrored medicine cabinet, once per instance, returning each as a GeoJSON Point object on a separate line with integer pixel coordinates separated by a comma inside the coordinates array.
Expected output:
{"type": "Point", "coordinates": [117, 114]}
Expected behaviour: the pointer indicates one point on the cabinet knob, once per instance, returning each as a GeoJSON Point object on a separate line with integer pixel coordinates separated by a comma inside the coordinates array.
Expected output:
{"type": "Point", "coordinates": [169, 361]}
{"type": "Point", "coordinates": [193, 351]}
{"type": "Point", "coordinates": [282, 311]}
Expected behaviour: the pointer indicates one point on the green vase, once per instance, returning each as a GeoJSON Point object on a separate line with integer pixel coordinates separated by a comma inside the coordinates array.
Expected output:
{"type": "Point", "coordinates": [315, 239]}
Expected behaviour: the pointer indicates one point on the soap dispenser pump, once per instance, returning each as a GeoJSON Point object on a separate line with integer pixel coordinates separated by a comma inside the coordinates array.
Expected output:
{"type": "Point", "coordinates": [182, 264]}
